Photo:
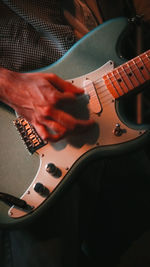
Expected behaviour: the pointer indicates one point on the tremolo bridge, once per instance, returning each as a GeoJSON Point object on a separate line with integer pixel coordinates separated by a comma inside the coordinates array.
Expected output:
{"type": "Point", "coordinates": [29, 135]}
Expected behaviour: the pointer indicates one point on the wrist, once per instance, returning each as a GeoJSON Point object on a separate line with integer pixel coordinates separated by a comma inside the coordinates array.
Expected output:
{"type": "Point", "coordinates": [4, 73]}
{"type": "Point", "coordinates": [7, 78]}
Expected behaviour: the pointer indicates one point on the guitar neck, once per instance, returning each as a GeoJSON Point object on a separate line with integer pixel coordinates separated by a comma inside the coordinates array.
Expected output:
{"type": "Point", "coordinates": [129, 76]}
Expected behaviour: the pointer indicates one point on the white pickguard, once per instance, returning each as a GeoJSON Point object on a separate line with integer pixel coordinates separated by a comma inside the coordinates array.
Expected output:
{"type": "Point", "coordinates": [66, 152]}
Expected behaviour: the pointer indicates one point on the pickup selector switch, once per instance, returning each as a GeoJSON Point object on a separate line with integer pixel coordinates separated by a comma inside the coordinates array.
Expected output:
{"type": "Point", "coordinates": [118, 131]}
{"type": "Point", "coordinates": [41, 190]}
{"type": "Point", "coordinates": [53, 170]}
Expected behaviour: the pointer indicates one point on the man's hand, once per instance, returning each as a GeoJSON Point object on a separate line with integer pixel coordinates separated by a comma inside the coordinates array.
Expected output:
{"type": "Point", "coordinates": [36, 96]}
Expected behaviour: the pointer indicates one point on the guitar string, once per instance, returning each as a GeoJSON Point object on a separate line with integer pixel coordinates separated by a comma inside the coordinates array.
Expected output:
{"type": "Point", "coordinates": [101, 83]}
{"type": "Point", "coordinates": [113, 78]}
{"type": "Point", "coordinates": [103, 99]}
{"type": "Point", "coordinates": [97, 81]}
{"type": "Point", "coordinates": [124, 70]}
{"type": "Point", "coordinates": [132, 67]}
{"type": "Point", "coordinates": [102, 93]}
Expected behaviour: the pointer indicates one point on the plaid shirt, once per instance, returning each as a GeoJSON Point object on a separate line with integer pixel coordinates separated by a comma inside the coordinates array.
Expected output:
{"type": "Point", "coordinates": [34, 34]}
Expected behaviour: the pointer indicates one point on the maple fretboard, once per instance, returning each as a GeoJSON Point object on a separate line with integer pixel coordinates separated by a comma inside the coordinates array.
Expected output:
{"type": "Point", "coordinates": [129, 76]}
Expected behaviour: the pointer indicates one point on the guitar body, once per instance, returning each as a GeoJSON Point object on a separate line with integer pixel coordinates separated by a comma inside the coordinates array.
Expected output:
{"type": "Point", "coordinates": [84, 65]}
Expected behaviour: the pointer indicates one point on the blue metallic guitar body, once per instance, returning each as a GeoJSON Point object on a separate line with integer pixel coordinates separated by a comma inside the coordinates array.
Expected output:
{"type": "Point", "coordinates": [92, 63]}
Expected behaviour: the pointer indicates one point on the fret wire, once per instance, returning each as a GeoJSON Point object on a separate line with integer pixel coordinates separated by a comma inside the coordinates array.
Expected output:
{"type": "Point", "coordinates": [128, 81]}
{"type": "Point", "coordinates": [133, 65]}
{"type": "Point", "coordinates": [98, 81]}
{"type": "Point", "coordinates": [121, 82]}
{"type": "Point", "coordinates": [145, 69]}
{"type": "Point", "coordinates": [120, 72]}
{"type": "Point", "coordinates": [144, 58]}
{"type": "Point", "coordinates": [148, 63]}
{"type": "Point", "coordinates": [133, 72]}
{"type": "Point", "coordinates": [109, 85]}
{"type": "Point", "coordinates": [101, 80]}
{"type": "Point", "coordinates": [139, 71]}
{"type": "Point", "coordinates": [106, 89]}
{"type": "Point", "coordinates": [120, 92]}
{"type": "Point", "coordinates": [123, 73]}
{"type": "Point", "coordinates": [135, 81]}
{"type": "Point", "coordinates": [130, 62]}
{"type": "Point", "coordinates": [148, 57]}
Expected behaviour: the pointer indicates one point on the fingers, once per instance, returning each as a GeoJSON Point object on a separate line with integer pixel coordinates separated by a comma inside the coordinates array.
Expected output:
{"type": "Point", "coordinates": [62, 85]}
{"type": "Point", "coordinates": [69, 122]}
{"type": "Point", "coordinates": [54, 124]}
{"type": "Point", "coordinates": [56, 97]}
{"type": "Point", "coordinates": [51, 131]}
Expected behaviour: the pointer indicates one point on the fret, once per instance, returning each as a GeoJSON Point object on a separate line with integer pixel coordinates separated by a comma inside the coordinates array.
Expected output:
{"type": "Point", "coordinates": [141, 67]}
{"type": "Point", "coordinates": [120, 80]}
{"type": "Point", "coordinates": [144, 67]}
{"type": "Point", "coordinates": [138, 72]}
{"type": "Point", "coordinates": [115, 83]}
{"type": "Point", "coordinates": [131, 75]}
{"type": "Point", "coordinates": [110, 86]}
{"type": "Point", "coordinates": [128, 76]}
{"type": "Point", "coordinates": [145, 59]}
{"type": "Point", "coordinates": [148, 57]}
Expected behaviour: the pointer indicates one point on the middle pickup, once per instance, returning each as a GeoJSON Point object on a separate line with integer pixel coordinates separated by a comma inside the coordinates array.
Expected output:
{"type": "Point", "coordinates": [94, 101]}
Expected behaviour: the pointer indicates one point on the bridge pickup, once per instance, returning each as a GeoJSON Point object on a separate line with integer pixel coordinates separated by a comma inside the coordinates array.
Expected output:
{"type": "Point", "coordinates": [29, 135]}
{"type": "Point", "coordinates": [94, 101]}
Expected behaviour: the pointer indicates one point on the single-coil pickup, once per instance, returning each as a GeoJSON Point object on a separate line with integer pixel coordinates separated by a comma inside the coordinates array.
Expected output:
{"type": "Point", "coordinates": [94, 102]}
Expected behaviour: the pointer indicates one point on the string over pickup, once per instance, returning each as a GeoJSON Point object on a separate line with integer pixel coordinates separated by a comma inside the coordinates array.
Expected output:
{"type": "Point", "coordinates": [29, 135]}
{"type": "Point", "coordinates": [94, 102]}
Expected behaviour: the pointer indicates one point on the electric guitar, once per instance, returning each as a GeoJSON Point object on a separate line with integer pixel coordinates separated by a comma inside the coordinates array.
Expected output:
{"type": "Point", "coordinates": [31, 179]}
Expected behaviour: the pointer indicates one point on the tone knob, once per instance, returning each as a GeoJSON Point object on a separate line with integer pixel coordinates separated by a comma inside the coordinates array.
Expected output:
{"type": "Point", "coordinates": [41, 190]}
{"type": "Point", "coordinates": [53, 170]}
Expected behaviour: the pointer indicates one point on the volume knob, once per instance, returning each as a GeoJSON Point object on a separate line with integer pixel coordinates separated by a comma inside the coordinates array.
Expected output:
{"type": "Point", "coordinates": [53, 170]}
{"type": "Point", "coordinates": [41, 190]}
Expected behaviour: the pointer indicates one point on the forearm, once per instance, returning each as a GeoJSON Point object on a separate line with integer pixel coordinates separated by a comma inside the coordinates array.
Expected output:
{"type": "Point", "coordinates": [12, 90]}
{"type": "Point", "coordinates": [4, 85]}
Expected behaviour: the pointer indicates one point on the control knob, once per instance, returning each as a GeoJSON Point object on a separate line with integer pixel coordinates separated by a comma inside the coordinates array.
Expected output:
{"type": "Point", "coordinates": [53, 170]}
{"type": "Point", "coordinates": [41, 190]}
